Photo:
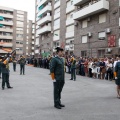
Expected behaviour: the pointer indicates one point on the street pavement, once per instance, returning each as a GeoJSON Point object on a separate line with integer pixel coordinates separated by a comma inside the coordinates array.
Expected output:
{"type": "Point", "coordinates": [32, 98]}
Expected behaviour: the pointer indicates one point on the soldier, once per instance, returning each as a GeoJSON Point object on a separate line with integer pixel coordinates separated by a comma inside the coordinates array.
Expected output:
{"type": "Point", "coordinates": [73, 68]}
{"type": "Point", "coordinates": [22, 65]}
{"type": "Point", "coordinates": [14, 64]}
{"type": "Point", "coordinates": [117, 77]}
{"type": "Point", "coordinates": [57, 75]}
{"type": "Point", "coordinates": [0, 66]}
{"type": "Point", "coordinates": [5, 72]}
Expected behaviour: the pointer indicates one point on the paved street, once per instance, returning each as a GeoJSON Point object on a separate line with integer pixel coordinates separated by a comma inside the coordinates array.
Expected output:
{"type": "Point", "coordinates": [32, 98]}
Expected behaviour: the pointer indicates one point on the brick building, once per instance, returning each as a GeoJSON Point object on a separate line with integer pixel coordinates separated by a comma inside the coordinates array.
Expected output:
{"type": "Point", "coordinates": [83, 27]}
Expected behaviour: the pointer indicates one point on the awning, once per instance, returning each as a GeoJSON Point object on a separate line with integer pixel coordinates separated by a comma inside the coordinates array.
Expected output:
{"type": "Point", "coordinates": [1, 25]}
{"type": "Point", "coordinates": [1, 17]}
{"type": "Point", "coordinates": [41, 7]}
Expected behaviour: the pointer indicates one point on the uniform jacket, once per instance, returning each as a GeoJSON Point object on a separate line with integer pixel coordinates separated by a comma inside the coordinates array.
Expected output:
{"type": "Point", "coordinates": [117, 69]}
{"type": "Point", "coordinates": [57, 67]}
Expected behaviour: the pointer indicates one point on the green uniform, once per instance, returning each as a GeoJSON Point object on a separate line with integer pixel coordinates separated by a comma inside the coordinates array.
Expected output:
{"type": "Point", "coordinates": [57, 67]}
{"type": "Point", "coordinates": [0, 68]}
{"type": "Point", "coordinates": [22, 65]}
{"type": "Point", "coordinates": [117, 70]}
{"type": "Point", "coordinates": [5, 75]}
{"type": "Point", "coordinates": [73, 70]}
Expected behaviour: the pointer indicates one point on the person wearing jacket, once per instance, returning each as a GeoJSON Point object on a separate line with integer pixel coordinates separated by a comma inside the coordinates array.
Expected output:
{"type": "Point", "coordinates": [117, 77]}
{"type": "Point", "coordinates": [58, 77]}
{"type": "Point", "coordinates": [6, 72]}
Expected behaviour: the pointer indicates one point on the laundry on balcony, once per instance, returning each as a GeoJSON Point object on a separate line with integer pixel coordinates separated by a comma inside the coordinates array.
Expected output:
{"type": "Point", "coordinates": [41, 7]}
{"type": "Point", "coordinates": [1, 18]}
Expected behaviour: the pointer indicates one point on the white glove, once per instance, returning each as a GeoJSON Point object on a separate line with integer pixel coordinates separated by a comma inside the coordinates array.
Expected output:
{"type": "Point", "coordinates": [116, 78]}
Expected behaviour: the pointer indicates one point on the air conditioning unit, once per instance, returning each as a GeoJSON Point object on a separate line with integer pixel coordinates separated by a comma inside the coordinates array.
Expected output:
{"type": "Point", "coordinates": [76, 23]}
{"type": "Point", "coordinates": [89, 34]}
{"type": "Point", "coordinates": [108, 50]}
{"type": "Point", "coordinates": [108, 30]}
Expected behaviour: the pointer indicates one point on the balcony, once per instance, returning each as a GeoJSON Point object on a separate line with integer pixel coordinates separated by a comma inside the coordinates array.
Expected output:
{"type": "Point", "coordinates": [6, 15]}
{"type": "Point", "coordinates": [18, 38]}
{"type": "Point", "coordinates": [19, 52]}
{"type": "Point", "coordinates": [42, 2]}
{"type": "Point", "coordinates": [4, 44]}
{"type": "Point", "coordinates": [44, 29]}
{"type": "Point", "coordinates": [6, 30]}
{"type": "Point", "coordinates": [19, 45]}
{"type": "Point", "coordinates": [6, 22]}
{"type": "Point", "coordinates": [70, 9]}
{"type": "Point", "coordinates": [32, 48]}
{"type": "Point", "coordinates": [36, 51]}
{"type": "Point", "coordinates": [69, 22]}
{"type": "Point", "coordinates": [56, 38]}
{"type": "Point", "coordinates": [6, 37]}
{"type": "Point", "coordinates": [70, 34]}
{"type": "Point", "coordinates": [20, 18]}
{"type": "Point", "coordinates": [56, 26]}
{"type": "Point", "coordinates": [20, 25]}
{"type": "Point", "coordinates": [44, 20]}
{"type": "Point", "coordinates": [33, 43]}
{"type": "Point", "coordinates": [57, 4]}
{"type": "Point", "coordinates": [56, 15]}
{"type": "Point", "coordinates": [19, 32]}
{"type": "Point", "coordinates": [92, 9]}
{"type": "Point", "coordinates": [46, 9]}
{"type": "Point", "coordinates": [79, 2]}
{"type": "Point", "coordinates": [32, 53]}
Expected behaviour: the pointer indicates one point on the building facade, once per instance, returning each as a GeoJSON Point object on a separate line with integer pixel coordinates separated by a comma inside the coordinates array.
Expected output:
{"type": "Point", "coordinates": [13, 31]}
{"type": "Point", "coordinates": [83, 27]}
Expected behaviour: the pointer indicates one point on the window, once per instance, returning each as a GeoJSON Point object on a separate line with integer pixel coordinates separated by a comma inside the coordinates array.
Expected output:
{"type": "Point", "coordinates": [57, 33]}
{"type": "Point", "coordinates": [102, 18]}
{"type": "Point", "coordinates": [19, 29]}
{"type": "Point", "coordinates": [42, 37]}
{"type": "Point", "coordinates": [69, 15]}
{"type": "Point", "coordinates": [56, 22]}
{"type": "Point", "coordinates": [57, 10]}
{"type": "Point", "coordinates": [20, 16]}
{"type": "Point", "coordinates": [101, 35]}
{"type": "Point", "coordinates": [70, 28]}
{"type": "Point", "coordinates": [84, 39]}
{"type": "Point", "coordinates": [20, 35]}
{"type": "Point", "coordinates": [19, 22]}
{"type": "Point", "coordinates": [83, 53]}
{"type": "Point", "coordinates": [101, 53]}
{"type": "Point", "coordinates": [84, 24]}
{"type": "Point", "coordinates": [69, 3]}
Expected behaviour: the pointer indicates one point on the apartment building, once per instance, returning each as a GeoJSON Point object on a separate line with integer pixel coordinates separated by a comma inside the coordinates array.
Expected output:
{"type": "Point", "coordinates": [30, 38]}
{"type": "Point", "coordinates": [83, 27]}
{"type": "Point", "coordinates": [13, 31]}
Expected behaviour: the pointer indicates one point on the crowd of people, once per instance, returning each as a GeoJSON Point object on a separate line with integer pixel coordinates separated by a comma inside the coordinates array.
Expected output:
{"type": "Point", "coordinates": [101, 68]}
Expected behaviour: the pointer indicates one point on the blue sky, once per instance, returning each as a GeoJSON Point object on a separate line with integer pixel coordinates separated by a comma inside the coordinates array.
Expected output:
{"type": "Point", "coordinates": [25, 5]}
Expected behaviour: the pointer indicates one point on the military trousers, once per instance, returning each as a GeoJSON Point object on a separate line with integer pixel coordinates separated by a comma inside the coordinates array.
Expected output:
{"type": "Point", "coordinates": [0, 72]}
{"type": "Point", "coordinates": [73, 73]}
{"type": "Point", "coordinates": [58, 86]}
{"type": "Point", "coordinates": [5, 79]}
{"type": "Point", "coordinates": [22, 69]}
{"type": "Point", "coordinates": [14, 66]}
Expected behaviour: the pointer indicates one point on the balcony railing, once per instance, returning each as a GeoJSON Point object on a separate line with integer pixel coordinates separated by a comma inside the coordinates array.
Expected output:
{"type": "Point", "coordinates": [44, 29]}
{"type": "Point", "coordinates": [6, 22]}
{"type": "Point", "coordinates": [91, 9]}
{"type": "Point", "coordinates": [6, 30]}
{"type": "Point", "coordinates": [46, 9]}
{"type": "Point", "coordinates": [6, 37]}
{"type": "Point", "coordinates": [44, 20]}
